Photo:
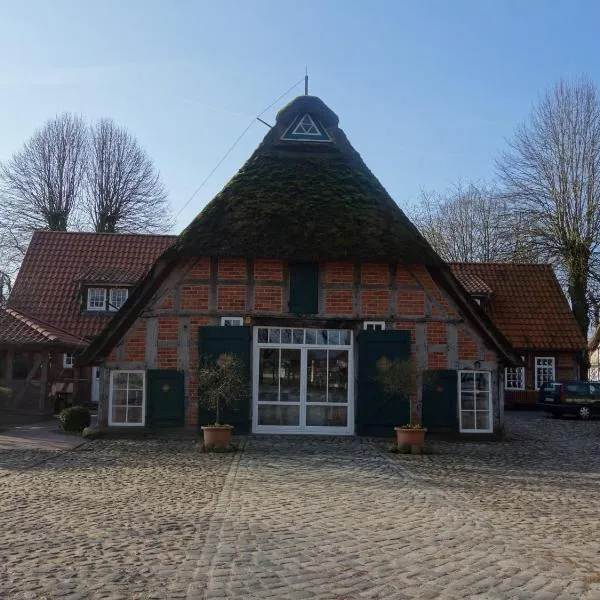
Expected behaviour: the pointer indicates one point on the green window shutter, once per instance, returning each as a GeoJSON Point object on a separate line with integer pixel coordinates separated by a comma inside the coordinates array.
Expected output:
{"type": "Point", "coordinates": [304, 288]}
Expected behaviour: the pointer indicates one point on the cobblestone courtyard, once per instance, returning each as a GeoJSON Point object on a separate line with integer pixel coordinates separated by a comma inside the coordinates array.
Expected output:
{"type": "Point", "coordinates": [338, 519]}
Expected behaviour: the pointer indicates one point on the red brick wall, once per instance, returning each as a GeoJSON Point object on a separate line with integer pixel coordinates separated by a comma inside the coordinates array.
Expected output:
{"type": "Point", "coordinates": [268, 299]}
{"type": "Point", "coordinates": [135, 342]}
{"type": "Point", "coordinates": [200, 269]}
{"type": "Point", "coordinates": [268, 270]}
{"type": "Point", "coordinates": [232, 268]}
{"type": "Point", "coordinates": [467, 347]}
{"type": "Point", "coordinates": [374, 302]}
{"type": "Point", "coordinates": [167, 328]}
{"type": "Point", "coordinates": [166, 358]}
{"type": "Point", "coordinates": [231, 297]}
{"type": "Point", "coordinates": [339, 272]}
{"type": "Point", "coordinates": [411, 303]}
{"type": "Point", "coordinates": [403, 276]}
{"type": "Point", "coordinates": [339, 302]}
{"type": "Point", "coordinates": [194, 297]}
{"type": "Point", "coordinates": [437, 332]}
{"type": "Point", "coordinates": [437, 360]}
{"type": "Point", "coordinates": [374, 273]}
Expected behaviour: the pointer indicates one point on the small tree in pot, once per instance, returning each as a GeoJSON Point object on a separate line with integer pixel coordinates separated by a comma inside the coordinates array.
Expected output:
{"type": "Point", "coordinates": [402, 376]}
{"type": "Point", "coordinates": [221, 383]}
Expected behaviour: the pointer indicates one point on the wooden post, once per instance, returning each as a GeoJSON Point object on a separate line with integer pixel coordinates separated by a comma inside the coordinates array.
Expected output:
{"type": "Point", "coordinates": [10, 355]}
{"type": "Point", "coordinates": [45, 359]}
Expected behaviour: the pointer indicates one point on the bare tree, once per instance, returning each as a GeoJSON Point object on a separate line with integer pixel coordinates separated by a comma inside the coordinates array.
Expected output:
{"type": "Point", "coordinates": [5, 287]}
{"type": "Point", "coordinates": [123, 192]}
{"type": "Point", "coordinates": [551, 172]}
{"type": "Point", "coordinates": [40, 184]}
{"type": "Point", "coordinates": [470, 223]}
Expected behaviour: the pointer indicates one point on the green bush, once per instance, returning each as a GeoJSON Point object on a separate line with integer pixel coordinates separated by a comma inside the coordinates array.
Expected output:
{"type": "Point", "coordinates": [75, 418]}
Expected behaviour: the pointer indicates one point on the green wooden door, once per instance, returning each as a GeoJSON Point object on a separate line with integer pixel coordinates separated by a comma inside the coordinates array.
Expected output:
{"type": "Point", "coordinates": [440, 399]}
{"type": "Point", "coordinates": [166, 398]}
{"type": "Point", "coordinates": [377, 413]}
{"type": "Point", "coordinates": [212, 342]}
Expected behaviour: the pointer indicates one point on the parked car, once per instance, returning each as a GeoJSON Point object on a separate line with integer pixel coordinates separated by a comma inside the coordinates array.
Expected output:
{"type": "Point", "coordinates": [579, 398]}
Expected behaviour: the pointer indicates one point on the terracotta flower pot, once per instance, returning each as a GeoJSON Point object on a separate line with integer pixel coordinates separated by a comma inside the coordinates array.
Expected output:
{"type": "Point", "coordinates": [412, 437]}
{"type": "Point", "coordinates": [217, 436]}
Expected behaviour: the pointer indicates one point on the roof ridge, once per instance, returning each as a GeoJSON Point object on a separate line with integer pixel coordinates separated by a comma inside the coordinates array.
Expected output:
{"type": "Point", "coordinates": [498, 263]}
{"type": "Point", "coordinates": [95, 233]}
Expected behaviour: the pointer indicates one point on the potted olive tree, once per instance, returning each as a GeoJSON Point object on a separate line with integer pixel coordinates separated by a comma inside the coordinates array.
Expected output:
{"type": "Point", "coordinates": [402, 376]}
{"type": "Point", "coordinates": [222, 382]}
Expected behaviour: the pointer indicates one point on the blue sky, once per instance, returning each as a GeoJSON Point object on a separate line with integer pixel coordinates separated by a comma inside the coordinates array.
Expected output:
{"type": "Point", "coordinates": [427, 91]}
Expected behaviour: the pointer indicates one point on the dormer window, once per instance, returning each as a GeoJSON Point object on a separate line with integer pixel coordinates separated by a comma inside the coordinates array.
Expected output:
{"type": "Point", "coordinates": [106, 298]}
{"type": "Point", "coordinates": [96, 299]}
{"type": "Point", "coordinates": [118, 297]}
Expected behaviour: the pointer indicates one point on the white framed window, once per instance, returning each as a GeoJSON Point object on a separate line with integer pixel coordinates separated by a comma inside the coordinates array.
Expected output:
{"type": "Point", "coordinates": [232, 321]}
{"type": "Point", "coordinates": [514, 378]}
{"type": "Point", "coordinates": [117, 298]}
{"type": "Point", "coordinates": [374, 325]}
{"type": "Point", "coordinates": [127, 394]}
{"type": "Point", "coordinates": [544, 370]}
{"type": "Point", "coordinates": [96, 299]}
{"type": "Point", "coordinates": [68, 361]}
{"type": "Point", "coordinates": [475, 401]}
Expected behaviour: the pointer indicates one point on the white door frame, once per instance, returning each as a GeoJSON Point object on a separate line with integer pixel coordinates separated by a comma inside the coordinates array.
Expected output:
{"type": "Point", "coordinates": [302, 429]}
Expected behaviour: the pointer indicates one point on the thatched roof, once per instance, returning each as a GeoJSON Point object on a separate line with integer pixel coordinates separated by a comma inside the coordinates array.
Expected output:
{"type": "Point", "coordinates": [302, 200]}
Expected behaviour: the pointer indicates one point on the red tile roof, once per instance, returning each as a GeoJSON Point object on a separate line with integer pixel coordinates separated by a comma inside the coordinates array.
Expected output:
{"type": "Point", "coordinates": [47, 286]}
{"type": "Point", "coordinates": [526, 304]}
{"type": "Point", "coordinates": [17, 329]}
{"type": "Point", "coordinates": [474, 285]}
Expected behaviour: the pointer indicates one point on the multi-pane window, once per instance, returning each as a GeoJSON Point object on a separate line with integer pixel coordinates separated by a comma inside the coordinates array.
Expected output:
{"type": "Point", "coordinates": [374, 325]}
{"type": "Point", "coordinates": [301, 337]}
{"type": "Point", "coordinates": [544, 370]}
{"type": "Point", "coordinates": [127, 392]}
{"type": "Point", "coordinates": [118, 297]}
{"type": "Point", "coordinates": [68, 361]}
{"type": "Point", "coordinates": [96, 299]}
{"type": "Point", "coordinates": [515, 378]}
{"type": "Point", "coordinates": [232, 321]}
{"type": "Point", "coordinates": [475, 399]}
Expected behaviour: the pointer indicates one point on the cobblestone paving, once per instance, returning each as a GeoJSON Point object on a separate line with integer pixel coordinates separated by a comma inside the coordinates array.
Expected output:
{"type": "Point", "coordinates": [333, 519]}
{"type": "Point", "coordinates": [111, 519]}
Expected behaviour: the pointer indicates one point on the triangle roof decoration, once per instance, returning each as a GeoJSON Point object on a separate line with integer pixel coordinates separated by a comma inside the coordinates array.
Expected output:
{"type": "Point", "coordinates": [306, 129]}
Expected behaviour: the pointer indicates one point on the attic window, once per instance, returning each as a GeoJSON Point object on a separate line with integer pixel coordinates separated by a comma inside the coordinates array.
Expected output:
{"type": "Point", "coordinates": [96, 299]}
{"type": "Point", "coordinates": [305, 129]}
{"type": "Point", "coordinates": [118, 297]}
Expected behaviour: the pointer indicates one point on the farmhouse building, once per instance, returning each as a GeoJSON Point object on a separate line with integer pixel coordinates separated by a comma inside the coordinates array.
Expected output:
{"type": "Point", "coordinates": [305, 267]}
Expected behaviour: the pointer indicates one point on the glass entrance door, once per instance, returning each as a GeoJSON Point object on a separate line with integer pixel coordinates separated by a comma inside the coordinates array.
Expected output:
{"type": "Point", "coordinates": [302, 380]}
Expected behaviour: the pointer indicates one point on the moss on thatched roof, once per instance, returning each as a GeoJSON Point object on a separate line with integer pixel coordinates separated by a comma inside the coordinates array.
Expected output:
{"type": "Point", "coordinates": [306, 201]}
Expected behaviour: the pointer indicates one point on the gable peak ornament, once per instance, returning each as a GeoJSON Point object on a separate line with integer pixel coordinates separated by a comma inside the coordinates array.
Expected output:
{"type": "Point", "coordinates": [305, 128]}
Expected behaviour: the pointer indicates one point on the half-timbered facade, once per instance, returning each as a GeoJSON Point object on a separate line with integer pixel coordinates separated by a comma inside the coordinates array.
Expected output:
{"type": "Point", "coordinates": [305, 267]}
